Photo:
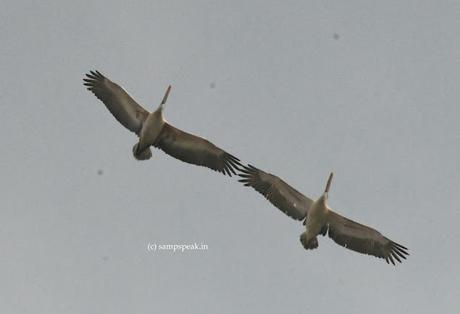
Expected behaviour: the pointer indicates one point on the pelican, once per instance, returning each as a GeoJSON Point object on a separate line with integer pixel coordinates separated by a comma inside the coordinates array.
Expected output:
{"type": "Point", "coordinates": [153, 129]}
{"type": "Point", "coordinates": [320, 219]}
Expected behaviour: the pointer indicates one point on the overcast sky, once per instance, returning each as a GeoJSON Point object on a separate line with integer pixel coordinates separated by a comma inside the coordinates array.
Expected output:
{"type": "Point", "coordinates": [369, 90]}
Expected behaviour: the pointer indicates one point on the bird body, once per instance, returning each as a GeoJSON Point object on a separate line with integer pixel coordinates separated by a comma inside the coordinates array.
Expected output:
{"type": "Point", "coordinates": [153, 130]}
{"type": "Point", "coordinates": [315, 221]}
{"type": "Point", "coordinates": [320, 219]}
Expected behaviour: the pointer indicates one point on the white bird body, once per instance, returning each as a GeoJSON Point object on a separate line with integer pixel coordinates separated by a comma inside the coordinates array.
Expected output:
{"type": "Point", "coordinates": [316, 219]}
{"type": "Point", "coordinates": [151, 129]}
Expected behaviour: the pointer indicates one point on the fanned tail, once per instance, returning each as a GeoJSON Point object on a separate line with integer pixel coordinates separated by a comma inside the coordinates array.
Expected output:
{"type": "Point", "coordinates": [308, 245]}
{"type": "Point", "coordinates": [143, 154]}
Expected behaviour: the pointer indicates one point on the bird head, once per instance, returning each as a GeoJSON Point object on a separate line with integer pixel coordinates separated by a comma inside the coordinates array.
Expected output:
{"type": "Point", "coordinates": [328, 185]}
{"type": "Point", "coordinates": [165, 97]}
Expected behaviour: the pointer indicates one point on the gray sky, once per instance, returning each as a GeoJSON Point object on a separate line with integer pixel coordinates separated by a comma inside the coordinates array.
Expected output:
{"type": "Point", "coordinates": [299, 89]}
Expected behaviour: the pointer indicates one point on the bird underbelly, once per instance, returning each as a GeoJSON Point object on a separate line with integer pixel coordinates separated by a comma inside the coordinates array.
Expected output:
{"type": "Point", "coordinates": [315, 222]}
{"type": "Point", "coordinates": [150, 130]}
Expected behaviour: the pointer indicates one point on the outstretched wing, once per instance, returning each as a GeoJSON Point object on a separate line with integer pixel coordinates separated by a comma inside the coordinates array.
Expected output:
{"type": "Point", "coordinates": [363, 239]}
{"type": "Point", "coordinates": [125, 109]}
{"type": "Point", "coordinates": [279, 193]}
{"type": "Point", "coordinates": [195, 150]}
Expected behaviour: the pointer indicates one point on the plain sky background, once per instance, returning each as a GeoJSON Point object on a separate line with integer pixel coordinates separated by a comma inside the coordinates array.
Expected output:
{"type": "Point", "coordinates": [367, 89]}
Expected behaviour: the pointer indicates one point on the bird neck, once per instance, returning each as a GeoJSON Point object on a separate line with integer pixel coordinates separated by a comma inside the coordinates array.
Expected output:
{"type": "Point", "coordinates": [159, 111]}
{"type": "Point", "coordinates": [323, 200]}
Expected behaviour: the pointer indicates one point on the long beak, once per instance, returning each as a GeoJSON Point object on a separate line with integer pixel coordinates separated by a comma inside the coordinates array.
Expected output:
{"type": "Point", "coordinates": [328, 185]}
{"type": "Point", "coordinates": [165, 97]}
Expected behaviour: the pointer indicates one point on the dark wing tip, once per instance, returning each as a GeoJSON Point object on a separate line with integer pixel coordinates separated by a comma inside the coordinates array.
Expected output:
{"type": "Point", "coordinates": [396, 252]}
{"type": "Point", "coordinates": [93, 80]}
{"type": "Point", "coordinates": [399, 246]}
{"type": "Point", "coordinates": [231, 165]}
{"type": "Point", "coordinates": [249, 175]}
{"type": "Point", "coordinates": [96, 73]}
{"type": "Point", "coordinates": [247, 171]}
{"type": "Point", "coordinates": [93, 76]}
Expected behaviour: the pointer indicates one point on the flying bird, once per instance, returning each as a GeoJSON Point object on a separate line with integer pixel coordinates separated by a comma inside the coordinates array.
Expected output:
{"type": "Point", "coordinates": [320, 219]}
{"type": "Point", "coordinates": [153, 130]}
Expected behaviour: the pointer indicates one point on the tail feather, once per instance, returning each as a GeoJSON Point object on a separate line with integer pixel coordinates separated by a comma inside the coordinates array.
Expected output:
{"type": "Point", "coordinates": [143, 154]}
{"type": "Point", "coordinates": [308, 244]}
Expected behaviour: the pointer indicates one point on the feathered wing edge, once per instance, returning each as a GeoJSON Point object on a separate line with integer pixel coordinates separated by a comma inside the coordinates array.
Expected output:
{"type": "Point", "coordinates": [196, 150]}
{"type": "Point", "coordinates": [120, 104]}
{"type": "Point", "coordinates": [364, 239]}
{"type": "Point", "coordinates": [276, 191]}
